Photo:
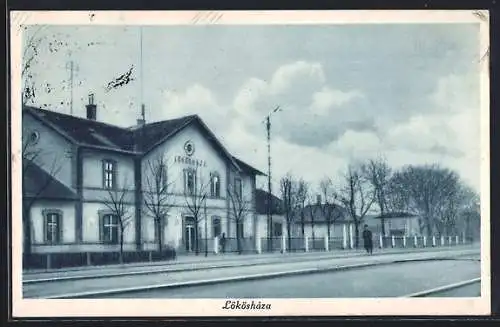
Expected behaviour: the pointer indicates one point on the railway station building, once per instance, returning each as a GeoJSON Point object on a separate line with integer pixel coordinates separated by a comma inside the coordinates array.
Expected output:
{"type": "Point", "coordinates": [84, 181]}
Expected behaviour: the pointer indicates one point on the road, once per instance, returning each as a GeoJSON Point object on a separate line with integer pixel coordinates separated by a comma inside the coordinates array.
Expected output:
{"type": "Point", "coordinates": [387, 277]}
{"type": "Point", "coordinates": [393, 280]}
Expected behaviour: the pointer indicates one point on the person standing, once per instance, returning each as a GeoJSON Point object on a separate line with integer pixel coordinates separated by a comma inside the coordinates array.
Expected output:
{"type": "Point", "coordinates": [223, 242]}
{"type": "Point", "coordinates": [367, 240]}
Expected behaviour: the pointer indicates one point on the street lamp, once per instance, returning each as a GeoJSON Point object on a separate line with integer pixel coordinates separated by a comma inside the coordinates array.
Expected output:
{"type": "Point", "coordinates": [269, 188]}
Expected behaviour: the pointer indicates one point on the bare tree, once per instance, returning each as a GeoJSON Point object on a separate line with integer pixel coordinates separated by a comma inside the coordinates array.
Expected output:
{"type": "Point", "coordinates": [330, 211]}
{"type": "Point", "coordinates": [32, 158]}
{"type": "Point", "coordinates": [116, 202]}
{"type": "Point", "coordinates": [240, 208]}
{"type": "Point", "coordinates": [158, 196]}
{"type": "Point", "coordinates": [356, 196]}
{"type": "Point", "coordinates": [378, 173]}
{"type": "Point", "coordinates": [41, 39]}
{"type": "Point", "coordinates": [469, 216]}
{"type": "Point", "coordinates": [313, 205]}
{"type": "Point", "coordinates": [195, 196]}
{"type": "Point", "coordinates": [289, 203]}
{"type": "Point", "coordinates": [429, 191]}
{"type": "Point", "coordinates": [301, 196]}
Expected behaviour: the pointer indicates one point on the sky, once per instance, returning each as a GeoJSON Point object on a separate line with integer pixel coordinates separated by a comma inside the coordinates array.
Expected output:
{"type": "Point", "coordinates": [348, 93]}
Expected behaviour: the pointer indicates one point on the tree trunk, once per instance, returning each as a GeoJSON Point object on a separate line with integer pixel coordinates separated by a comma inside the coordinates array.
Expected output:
{"type": "Point", "coordinates": [356, 233]}
{"type": "Point", "coordinates": [160, 235]}
{"type": "Point", "coordinates": [302, 224]}
{"type": "Point", "coordinates": [121, 246]}
{"type": "Point", "coordinates": [312, 229]}
{"type": "Point", "coordinates": [428, 225]}
{"type": "Point", "coordinates": [289, 236]}
{"type": "Point", "coordinates": [328, 226]}
{"type": "Point", "coordinates": [196, 237]}
{"type": "Point", "coordinates": [238, 243]}
{"type": "Point", "coordinates": [382, 221]}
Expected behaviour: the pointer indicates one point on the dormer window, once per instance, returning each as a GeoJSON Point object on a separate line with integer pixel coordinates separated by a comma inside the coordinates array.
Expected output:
{"type": "Point", "coordinates": [109, 174]}
{"type": "Point", "coordinates": [215, 185]}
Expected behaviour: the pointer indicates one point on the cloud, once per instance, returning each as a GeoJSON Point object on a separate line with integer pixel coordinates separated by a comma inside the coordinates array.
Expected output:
{"type": "Point", "coordinates": [196, 99]}
{"type": "Point", "coordinates": [314, 114]}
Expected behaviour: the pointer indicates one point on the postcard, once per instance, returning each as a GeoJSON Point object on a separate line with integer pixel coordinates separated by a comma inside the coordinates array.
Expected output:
{"type": "Point", "coordinates": [250, 163]}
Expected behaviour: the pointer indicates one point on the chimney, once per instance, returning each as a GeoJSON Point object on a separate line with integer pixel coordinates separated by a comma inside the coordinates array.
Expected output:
{"type": "Point", "coordinates": [91, 108]}
{"type": "Point", "coordinates": [318, 198]}
{"type": "Point", "coordinates": [142, 120]}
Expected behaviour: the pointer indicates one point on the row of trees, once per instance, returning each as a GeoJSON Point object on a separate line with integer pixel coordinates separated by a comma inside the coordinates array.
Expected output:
{"type": "Point", "coordinates": [442, 201]}
{"type": "Point", "coordinates": [158, 198]}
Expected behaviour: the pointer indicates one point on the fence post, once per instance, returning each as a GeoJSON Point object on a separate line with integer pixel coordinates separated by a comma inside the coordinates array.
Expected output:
{"type": "Point", "coordinates": [216, 245]}
{"type": "Point", "coordinates": [327, 248]}
{"type": "Point", "coordinates": [351, 237]}
{"type": "Point", "coordinates": [258, 245]}
{"type": "Point", "coordinates": [425, 241]}
{"type": "Point", "coordinates": [283, 243]}
{"type": "Point", "coordinates": [49, 261]}
{"type": "Point", "coordinates": [442, 240]}
{"type": "Point", "coordinates": [415, 241]}
{"type": "Point", "coordinates": [393, 241]}
{"type": "Point", "coordinates": [404, 241]}
{"type": "Point", "coordinates": [456, 239]}
{"type": "Point", "coordinates": [433, 240]}
{"type": "Point", "coordinates": [381, 241]}
{"type": "Point", "coordinates": [344, 236]}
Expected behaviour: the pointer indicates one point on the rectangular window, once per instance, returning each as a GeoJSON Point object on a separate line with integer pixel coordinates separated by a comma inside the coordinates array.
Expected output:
{"type": "Point", "coordinates": [216, 226]}
{"type": "Point", "coordinates": [109, 174]}
{"type": "Point", "coordinates": [238, 187]}
{"type": "Point", "coordinates": [110, 229]}
{"type": "Point", "coordinates": [53, 228]}
{"type": "Point", "coordinates": [278, 229]}
{"type": "Point", "coordinates": [189, 182]}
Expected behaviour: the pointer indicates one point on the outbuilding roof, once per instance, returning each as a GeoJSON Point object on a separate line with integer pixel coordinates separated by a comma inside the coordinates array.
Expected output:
{"type": "Point", "coordinates": [39, 184]}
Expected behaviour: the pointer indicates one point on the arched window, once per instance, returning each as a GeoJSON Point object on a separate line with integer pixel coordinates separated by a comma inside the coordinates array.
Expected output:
{"type": "Point", "coordinates": [161, 174]}
{"type": "Point", "coordinates": [189, 181]}
{"type": "Point", "coordinates": [214, 185]}
{"type": "Point", "coordinates": [238, 188]}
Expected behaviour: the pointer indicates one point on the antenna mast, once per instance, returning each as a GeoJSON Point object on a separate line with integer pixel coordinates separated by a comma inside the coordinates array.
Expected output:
{"type": "Point", "coordinates": [72, 67]}
{"type": "Point", "coordinates": [143, 113]}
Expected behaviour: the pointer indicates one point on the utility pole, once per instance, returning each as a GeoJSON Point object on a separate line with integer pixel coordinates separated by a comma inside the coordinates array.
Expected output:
{"type": "Point", "coordinates": [269, 189]}
{"type": "Point", "coordinates": [269, 184]}
{"type": "Point", "coordinates": [72, 67]}
{"type": "Point", "coordinates": [206, 228]}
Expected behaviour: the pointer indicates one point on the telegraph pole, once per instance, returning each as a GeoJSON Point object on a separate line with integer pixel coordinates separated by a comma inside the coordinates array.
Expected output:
{"type": "Point", "coordinates": [269, 184]}
{"type": "Point", "coordinates": [269, 189]}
